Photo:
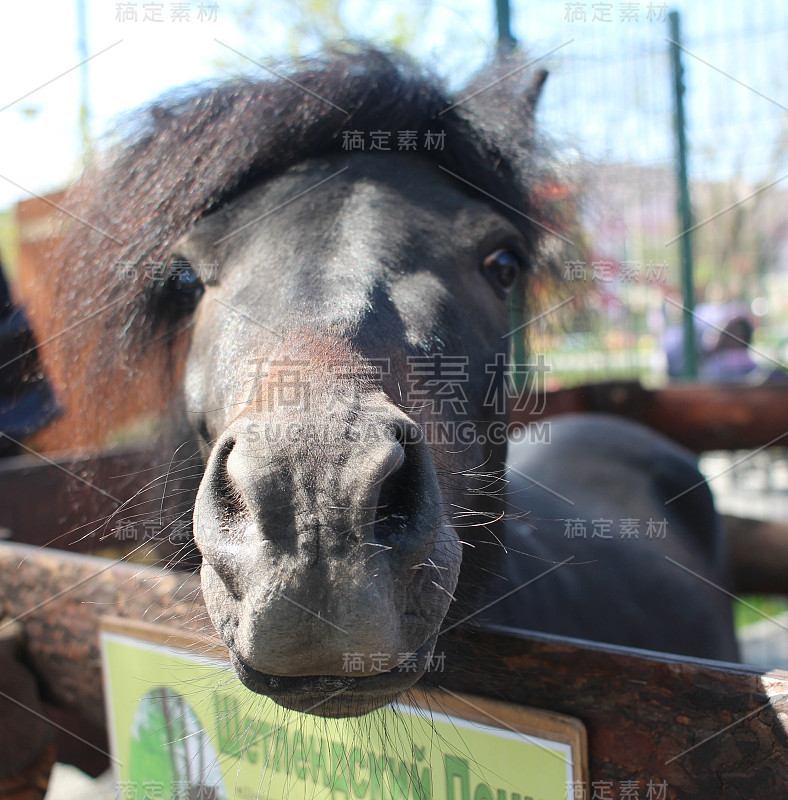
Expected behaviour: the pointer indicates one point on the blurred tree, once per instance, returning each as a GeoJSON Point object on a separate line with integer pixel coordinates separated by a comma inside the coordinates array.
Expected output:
{"type": "Point", "coordinates": [455, 38]}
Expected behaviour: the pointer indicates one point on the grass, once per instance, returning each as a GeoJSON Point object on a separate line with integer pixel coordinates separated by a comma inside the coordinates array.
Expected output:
{"type": "Point", "coordinates": [769, 605]}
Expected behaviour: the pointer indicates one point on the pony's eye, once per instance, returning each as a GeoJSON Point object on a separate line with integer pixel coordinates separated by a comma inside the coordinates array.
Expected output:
{"type": "Point", "coordinates": [183, 284]}
{"type": "Point", "coordinates": [502, 268]}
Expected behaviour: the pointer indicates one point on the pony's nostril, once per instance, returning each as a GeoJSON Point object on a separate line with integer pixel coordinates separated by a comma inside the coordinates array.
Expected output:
{"type": "Point", "coordinates": [229, 500]}
{"type": "Point", "coordinates": [398, 512]}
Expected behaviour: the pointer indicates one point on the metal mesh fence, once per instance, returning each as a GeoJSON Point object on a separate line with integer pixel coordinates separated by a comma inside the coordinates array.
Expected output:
{"type": "Point", "coordinates": [610, 109]}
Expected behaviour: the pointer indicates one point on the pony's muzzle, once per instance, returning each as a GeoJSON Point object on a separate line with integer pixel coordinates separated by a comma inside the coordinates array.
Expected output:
{"type": "Point", "coordinates": [318, 546]}
{"type": "Point", "coordinates": [369, 483]}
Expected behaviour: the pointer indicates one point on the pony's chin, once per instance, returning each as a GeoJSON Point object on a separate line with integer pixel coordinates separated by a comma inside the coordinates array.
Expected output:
{"type": "Point", "coordinates": [356, 705]}
{"type": "Point", "coordinates": [334, 695]}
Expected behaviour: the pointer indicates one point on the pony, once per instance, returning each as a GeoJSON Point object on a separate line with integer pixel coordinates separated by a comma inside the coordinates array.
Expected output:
{"type": "Point", "coordinates": [311, 275]}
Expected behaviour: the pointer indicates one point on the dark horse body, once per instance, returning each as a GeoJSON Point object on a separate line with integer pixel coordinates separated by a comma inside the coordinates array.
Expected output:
{"type": "Point", "coordinates": [331, 519]}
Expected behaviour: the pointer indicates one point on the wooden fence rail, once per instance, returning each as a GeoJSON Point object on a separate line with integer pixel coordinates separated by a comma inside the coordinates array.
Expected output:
{"type": "Point", "coordinates": [704, 729]}
{"type": "Point", "coordinates": [699, 416]}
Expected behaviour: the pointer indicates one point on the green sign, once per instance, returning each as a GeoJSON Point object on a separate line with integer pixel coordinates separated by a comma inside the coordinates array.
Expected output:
{"type": "Point", "coordinates": [182, 726]}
